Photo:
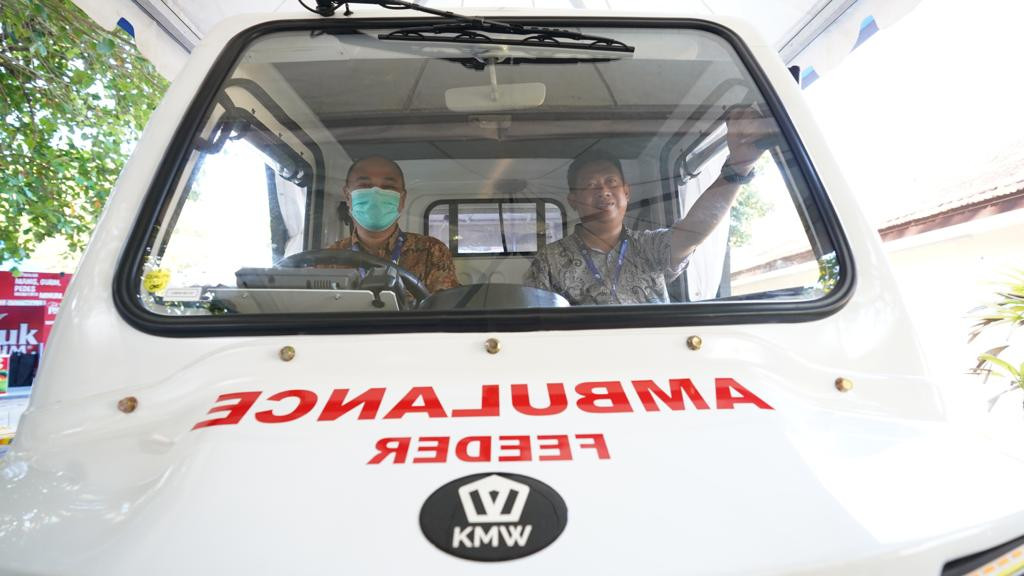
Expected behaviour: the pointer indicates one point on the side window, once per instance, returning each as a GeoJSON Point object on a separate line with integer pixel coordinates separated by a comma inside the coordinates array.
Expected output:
{"type": "Point", "coordinates": [203, 252]}
{"type": "Point", "coordinates": [240, 208]}
{"type": "Point", "coordinates": [764, 246]}
{"type": "Point", "coordinates": [497, 228]}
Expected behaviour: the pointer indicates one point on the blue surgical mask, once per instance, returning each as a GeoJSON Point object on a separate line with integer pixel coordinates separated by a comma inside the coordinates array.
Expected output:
{"type": "Point", "coordinates": [375, 208]}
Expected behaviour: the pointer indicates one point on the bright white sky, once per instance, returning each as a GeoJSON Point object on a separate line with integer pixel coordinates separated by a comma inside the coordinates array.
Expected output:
{"type": "Point", "coordinates": [926, 102]}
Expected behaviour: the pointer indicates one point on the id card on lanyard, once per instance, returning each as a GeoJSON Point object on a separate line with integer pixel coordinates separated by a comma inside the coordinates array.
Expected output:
{"type": "Point", "coordinates": [395, 253]}
{"type": "Point", "coordinates": [614, 286]}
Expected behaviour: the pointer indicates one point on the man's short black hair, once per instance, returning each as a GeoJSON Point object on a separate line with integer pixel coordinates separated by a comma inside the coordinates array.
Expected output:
{"type": "Point", "coordinates": [588, 158]}
{"type": "Point", "coordinates": [375, 157]}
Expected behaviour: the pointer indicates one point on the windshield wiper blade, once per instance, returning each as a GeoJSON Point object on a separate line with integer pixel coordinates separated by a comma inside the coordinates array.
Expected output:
{"type": "Point", "coordinates": [478, 64]}
{"type": "Point", "coordinates": [474, 30]}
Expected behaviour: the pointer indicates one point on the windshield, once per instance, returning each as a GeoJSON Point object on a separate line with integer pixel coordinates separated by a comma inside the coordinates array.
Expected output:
{"type": "Point", "coordinates": [337, 172]}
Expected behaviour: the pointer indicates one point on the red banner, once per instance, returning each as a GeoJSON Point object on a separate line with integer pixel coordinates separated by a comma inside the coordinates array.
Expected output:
{"type": "Point", "coordinates": [21, 329]}
{"type": "Point", "coordinates": [44, 289]}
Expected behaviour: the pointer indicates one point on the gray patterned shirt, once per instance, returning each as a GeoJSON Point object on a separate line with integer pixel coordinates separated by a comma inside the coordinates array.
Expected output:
{"type": "Point", "coordinates": [646, 266]}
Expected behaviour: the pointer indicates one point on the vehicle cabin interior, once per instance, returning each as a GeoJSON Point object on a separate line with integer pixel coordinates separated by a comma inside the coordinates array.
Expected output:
{"type": "Point", "coordinates": [484, 135]}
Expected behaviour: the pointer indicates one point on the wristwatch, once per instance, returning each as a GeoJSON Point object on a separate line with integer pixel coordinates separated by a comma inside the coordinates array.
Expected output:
{"type": "Point", "coordinates": [732, 176]}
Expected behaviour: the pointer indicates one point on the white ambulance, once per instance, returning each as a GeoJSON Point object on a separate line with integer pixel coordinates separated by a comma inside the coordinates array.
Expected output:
{"type": "Point", "coordinates": [235, 387]}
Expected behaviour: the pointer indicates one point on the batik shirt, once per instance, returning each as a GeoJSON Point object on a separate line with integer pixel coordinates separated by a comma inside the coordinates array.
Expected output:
{"type": "Point", "coordinates": [425, 256]}
{"type": "Point", "coordinates": [646, 266]}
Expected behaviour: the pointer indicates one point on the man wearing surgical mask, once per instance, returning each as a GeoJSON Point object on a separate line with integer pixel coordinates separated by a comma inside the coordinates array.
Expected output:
{"type": "Point", "coordinates": [375, 193]}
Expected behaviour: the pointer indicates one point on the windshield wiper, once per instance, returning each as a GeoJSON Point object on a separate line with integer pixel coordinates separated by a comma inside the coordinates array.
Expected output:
{"type": "Point", "coordinates": [474, 30]}
{"type": "Point", "coordinates": [478, 64]}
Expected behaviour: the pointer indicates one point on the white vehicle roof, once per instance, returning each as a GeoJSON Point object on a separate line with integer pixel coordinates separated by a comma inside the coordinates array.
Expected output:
{"type": "Point", "coordinates": [806, 33]}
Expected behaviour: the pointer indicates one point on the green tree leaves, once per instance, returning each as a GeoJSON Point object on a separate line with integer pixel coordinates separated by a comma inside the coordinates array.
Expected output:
{"type": "Point", "coordinates": [73, 98]}
{"type": "Point", "coordinates": [105, 46]}
{"type": "Point", "coordinates": [748, 207]}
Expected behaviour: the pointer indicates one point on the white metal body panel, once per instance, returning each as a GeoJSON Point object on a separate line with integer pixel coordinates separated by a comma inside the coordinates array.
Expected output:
{"type": "Point", "coordinates": [873, 481]}
{"type": "Point", "coordinates": [816, 33]}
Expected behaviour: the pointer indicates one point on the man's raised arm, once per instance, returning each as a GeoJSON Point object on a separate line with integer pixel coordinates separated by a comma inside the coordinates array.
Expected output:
{"type": "Point", "coordinates": [745, 127]}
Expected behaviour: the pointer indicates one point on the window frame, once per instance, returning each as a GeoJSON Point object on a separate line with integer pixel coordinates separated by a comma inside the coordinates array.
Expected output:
{"type": "Point", "coordinates": [127, 277]}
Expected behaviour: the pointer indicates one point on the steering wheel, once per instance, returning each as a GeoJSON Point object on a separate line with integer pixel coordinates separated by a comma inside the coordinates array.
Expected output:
{"type": "Point", "coordinates": [311, 258]}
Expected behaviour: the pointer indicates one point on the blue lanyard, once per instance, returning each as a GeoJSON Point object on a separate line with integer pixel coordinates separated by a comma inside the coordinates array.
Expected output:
{"type": "Point", "coordinates": [395, 253]}
{"type": "Point", "coordinates": [618, 266]}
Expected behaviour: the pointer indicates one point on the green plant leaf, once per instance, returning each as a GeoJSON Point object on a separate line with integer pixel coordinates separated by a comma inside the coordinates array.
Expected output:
{"type": "Point", "coordinates": [105, 46]}
{"type": "Point", "coordinates": [63, 143]}
{"type": "Point", "coordinates": [1008, 308]}
{"type": "Point", "coordinates": [1011, 370]}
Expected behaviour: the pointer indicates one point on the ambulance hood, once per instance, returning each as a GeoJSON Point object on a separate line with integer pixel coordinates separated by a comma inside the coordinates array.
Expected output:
{"type": "Point", "coordinates": [506, 459]}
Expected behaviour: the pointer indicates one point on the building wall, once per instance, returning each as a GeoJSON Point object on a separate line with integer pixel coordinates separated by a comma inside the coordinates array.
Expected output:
{"type": "Point", "coordinates": [944, 275]}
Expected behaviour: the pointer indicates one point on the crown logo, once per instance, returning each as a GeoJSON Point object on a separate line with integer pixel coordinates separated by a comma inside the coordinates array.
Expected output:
{"type": "Point", "coordinates": [493, 500]}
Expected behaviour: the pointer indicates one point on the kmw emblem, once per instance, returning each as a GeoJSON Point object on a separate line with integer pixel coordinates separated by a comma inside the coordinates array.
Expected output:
{"type": "Point", "coordinates": [499, 502]}
{"type": "Point", "coordinates": [493, 517]}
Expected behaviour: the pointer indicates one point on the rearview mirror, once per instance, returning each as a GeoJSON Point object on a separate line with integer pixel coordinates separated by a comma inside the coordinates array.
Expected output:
{"type": "Point", "coordinates": [492, 98]}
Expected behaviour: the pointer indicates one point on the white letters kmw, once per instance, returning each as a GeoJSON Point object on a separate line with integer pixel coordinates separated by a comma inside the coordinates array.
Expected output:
{"type": "Point", "coordinates": [493, 506]}
{"type": "Point", "coordinates": [494, 516]}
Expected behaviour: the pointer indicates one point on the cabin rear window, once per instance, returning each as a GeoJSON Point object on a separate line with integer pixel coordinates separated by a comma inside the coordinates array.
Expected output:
{"type": "Point", "coordinates": [337, 175]}
{"type": "Point", "coordinates": [496, 226]}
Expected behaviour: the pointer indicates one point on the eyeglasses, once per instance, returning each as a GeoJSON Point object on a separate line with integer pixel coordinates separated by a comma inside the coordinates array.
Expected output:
{"type": "Point", "coordinates": [599, 183]}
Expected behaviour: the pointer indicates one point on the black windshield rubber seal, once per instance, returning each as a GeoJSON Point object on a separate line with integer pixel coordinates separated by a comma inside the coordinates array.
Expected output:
{"type": "Point", "coordinates": [127, 278]}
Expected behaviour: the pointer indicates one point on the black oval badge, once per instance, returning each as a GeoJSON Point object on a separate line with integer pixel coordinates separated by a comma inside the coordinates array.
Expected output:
{"type": "Point", "coordinates": [493, 516]}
